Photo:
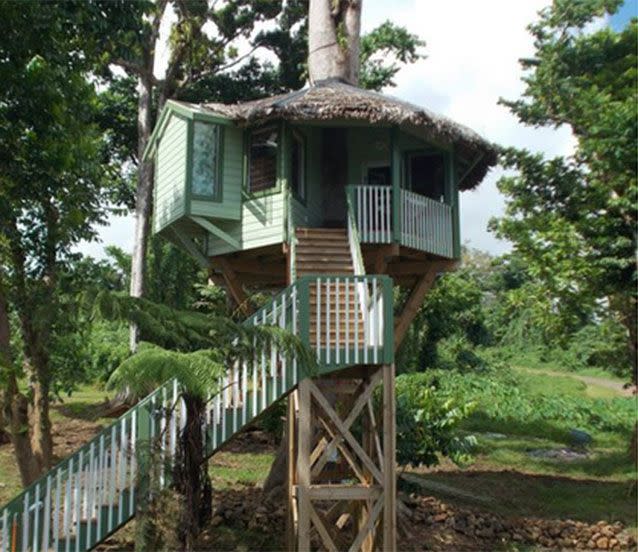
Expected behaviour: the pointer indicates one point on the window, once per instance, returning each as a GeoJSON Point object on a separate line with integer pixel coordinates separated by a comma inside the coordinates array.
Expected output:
{"type": "Point", "coordinates": [205, 173]}
{"type": "Point", "coordinates": [426, 175]}
{"type": "Point", "coordinates": [262, 160]}
{"type": "Point", "coordinates": [297, 167]}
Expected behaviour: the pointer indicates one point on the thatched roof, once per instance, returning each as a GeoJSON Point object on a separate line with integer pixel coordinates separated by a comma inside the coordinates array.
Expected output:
{"type": "Point", "coordinates": [336, 100]}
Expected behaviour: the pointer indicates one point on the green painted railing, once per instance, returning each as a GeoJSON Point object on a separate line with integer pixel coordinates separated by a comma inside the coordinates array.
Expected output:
{"type": "Point", "coordinates": [93, 492]}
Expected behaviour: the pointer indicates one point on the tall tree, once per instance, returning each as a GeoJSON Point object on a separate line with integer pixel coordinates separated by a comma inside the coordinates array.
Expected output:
{"type": "Point", "coordinates": [54, 184]}
{"type": "Point", "coordinates": [193, 52]}
{"type": "Point", "coordinates": [334, 40]}
{"type": "Point", "coordinates": [573, 219]}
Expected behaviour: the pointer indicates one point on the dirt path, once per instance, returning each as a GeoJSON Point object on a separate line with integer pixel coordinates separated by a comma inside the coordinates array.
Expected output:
{"type": "Point", "coordinates": [614, 385]}
{"type": "Point", "coordinates": [606, 383]}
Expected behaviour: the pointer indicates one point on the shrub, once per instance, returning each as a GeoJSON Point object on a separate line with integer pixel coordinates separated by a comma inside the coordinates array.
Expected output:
{"type": "Point", "coordinates": [427, 423]}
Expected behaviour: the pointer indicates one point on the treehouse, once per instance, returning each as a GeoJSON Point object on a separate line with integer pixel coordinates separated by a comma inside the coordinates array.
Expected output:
{"type": "Point", "coordinates": [327, 196]}
{"type": "Point", "coordinates": [238, 185]}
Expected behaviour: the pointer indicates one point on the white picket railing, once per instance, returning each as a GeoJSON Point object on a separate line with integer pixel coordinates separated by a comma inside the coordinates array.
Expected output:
{"type": "Point", "coordinates": [426, 224]}
{"type": "Point", "coordinates": [93, 492]}
{"type": "Point", "coordinates": [373, 208]}
{"type": "Point", "coordinates": [349, 319]}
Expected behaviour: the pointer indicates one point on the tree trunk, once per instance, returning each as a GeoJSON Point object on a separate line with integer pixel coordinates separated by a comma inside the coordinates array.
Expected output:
{"type": "Point", "coordinates": [143, 198]}
{"type": "Point", "coordinates": [41, 438]}
{"type": "Point", "coordinates": [191, 477]}
{"type": "Point", "coordinates": [15, 404]}
{"type": "Point", "coordinates": [334, 30]}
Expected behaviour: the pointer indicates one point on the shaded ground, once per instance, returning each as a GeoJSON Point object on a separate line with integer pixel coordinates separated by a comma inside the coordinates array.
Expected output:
{"type": "Point", "coordinates": [492, 504]}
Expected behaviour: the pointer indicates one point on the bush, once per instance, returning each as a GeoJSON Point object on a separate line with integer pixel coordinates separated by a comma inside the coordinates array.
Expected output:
{"type": "Point", "coordinates": [602, 345]}
{"type": "Point", "coordinates": [427, 423]}
{"type": "Point", "coordinates": [457, 353]}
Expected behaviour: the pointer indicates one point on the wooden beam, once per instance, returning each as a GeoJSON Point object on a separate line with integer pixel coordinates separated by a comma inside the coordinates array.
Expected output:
{"type": "Point", "coordinates": [234, 285]}
{"type": "Point", "coordinates": [215, 230]}
{"type": "Point", "coordinates": [344, 492]}
{"type": "Point", "coordinates": [191, 247]}
{"type": "Point", "coordinates": [384, 255]}
{"type": "Point", "coordinates": [411, 307]}
{"type": "Point", "coordinates": [304, 432]}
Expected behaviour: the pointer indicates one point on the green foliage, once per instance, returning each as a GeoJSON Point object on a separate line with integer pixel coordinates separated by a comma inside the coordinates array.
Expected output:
{"type": "Point", "coordinates": [598, 345]}
{"type": "Point", "coordinates": [515, 403]}
{"type": "Point", "coordinates": [573, 219]}
{"type": "Point", "coordinates": [383, 50]}
{"type": "Point", "coordinates": [107, 348]}
{"type": "Point", "coordinates": [427, 423]}
{"type": "Point", "coordinates": [197, 371]}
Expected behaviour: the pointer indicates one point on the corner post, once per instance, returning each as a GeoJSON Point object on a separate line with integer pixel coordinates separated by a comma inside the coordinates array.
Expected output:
{"type": "Point", "coordinates": [395, 169]}
{"type": "Point", "coordinates": [389, 460]}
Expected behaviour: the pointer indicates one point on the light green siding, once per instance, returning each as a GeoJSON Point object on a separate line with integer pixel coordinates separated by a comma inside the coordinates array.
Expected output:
{"type": "Point", "coordinates": [262, 224]}
{"type": "Point", "coordinates": [229, 207]}
{"type": "Point", "coordinates": [170, 173]}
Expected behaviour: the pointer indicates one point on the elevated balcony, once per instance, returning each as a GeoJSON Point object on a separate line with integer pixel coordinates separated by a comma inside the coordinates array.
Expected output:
{"type": "Point", "coordinates": [414, 221]}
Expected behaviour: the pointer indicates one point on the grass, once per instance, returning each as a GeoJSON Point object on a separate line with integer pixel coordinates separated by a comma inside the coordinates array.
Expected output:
{"type": "Point", "coordinates": [505, 478]}
{"type": "Point", "coordinates": [248, 468]}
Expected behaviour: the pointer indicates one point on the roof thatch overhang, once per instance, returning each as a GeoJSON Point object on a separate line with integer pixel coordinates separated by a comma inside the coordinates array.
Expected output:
{"type": "Point", "coordinates": [337, 101]}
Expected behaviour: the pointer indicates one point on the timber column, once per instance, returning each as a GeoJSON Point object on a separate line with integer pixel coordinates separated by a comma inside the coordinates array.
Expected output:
{"type": "Point", "coordinates": [341, 462]}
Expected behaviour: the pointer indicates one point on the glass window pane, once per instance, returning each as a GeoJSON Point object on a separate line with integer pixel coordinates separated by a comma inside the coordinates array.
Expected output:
{"type": "Point", "coordinates": [205, 158]}
{"type": "Point", "coordinates": [263, 160]}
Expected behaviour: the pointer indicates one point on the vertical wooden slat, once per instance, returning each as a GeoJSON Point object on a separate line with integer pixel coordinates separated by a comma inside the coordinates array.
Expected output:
{"type": "Point", "coordinates": [25, 522]}
{"type": "Point", "coordinates": [338, 321]}
{"type": "Point", "coordinates": [78, 501]}
{"type": "Point", "coordinates": [68, 497]}
{"type": "Point", "coordinates": [36, 519]}
{"type": "Point", "coordinates": [328, 313]}
{"type": "Point", "coordinates": [318, 319]}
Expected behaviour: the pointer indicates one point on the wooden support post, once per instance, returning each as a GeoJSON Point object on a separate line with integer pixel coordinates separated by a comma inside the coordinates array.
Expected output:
{"type": "Point", "coordinates": [304, 432]}
{"type": "Point", "coordinates": [385, 254]}
{"type": "Point", "coordinates": [412, 305]}
{"type": "Point", "coordinates": [389, 460]}
{"type": "Point", "coordinates": [234, 285]}
{"type": "Point", "coordinates": [290, 435]}
{"type": "Point", "coordinates": [359, 515]}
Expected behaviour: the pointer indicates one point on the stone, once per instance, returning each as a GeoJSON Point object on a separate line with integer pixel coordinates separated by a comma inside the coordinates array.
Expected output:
{"type": "Point", "coordinates": [602, 543]}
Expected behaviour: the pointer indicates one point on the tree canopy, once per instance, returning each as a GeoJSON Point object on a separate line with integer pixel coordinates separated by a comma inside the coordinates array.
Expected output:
{"type": "Point", "coordinates": [573, 219]}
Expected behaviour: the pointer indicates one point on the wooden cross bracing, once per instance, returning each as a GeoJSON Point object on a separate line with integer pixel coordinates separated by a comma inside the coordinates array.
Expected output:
{"type": "Point", "coordinates": [341, 443]}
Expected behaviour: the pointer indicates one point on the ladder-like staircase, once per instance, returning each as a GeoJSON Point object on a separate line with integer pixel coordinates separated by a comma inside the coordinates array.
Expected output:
{"type": "Point", "coordinates": [345, 318]}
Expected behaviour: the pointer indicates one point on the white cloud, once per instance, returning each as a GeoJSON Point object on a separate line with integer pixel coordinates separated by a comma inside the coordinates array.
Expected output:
{"type": "Point", "coordinates": [472, 52]}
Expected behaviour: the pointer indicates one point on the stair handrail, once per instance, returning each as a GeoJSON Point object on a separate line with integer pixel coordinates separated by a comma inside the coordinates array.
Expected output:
{"type": "Point", "coordinates": [80, 458]}
{"type": "Point", "coordinates": [353, 235]}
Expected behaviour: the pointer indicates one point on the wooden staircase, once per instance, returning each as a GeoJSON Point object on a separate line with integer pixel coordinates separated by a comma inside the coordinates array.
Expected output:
{"type": "Point", "coordinates": [332, 322]}
{"type": "Point", "coordinates": [323, 251]}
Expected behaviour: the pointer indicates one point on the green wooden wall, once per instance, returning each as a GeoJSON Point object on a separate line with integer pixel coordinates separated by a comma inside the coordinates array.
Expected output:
{"type": "Point", "coordinates": [170, 173]}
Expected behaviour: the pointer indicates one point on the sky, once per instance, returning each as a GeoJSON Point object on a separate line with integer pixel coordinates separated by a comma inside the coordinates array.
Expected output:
{"type": "Point", "coordinates": [472, 52]}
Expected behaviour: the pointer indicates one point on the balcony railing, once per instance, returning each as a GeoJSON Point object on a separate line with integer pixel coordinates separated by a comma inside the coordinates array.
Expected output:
{"type": "Point", "coordinates": [424, 224]}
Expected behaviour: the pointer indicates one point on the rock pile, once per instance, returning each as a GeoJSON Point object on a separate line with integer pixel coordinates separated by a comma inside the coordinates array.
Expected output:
{"type": "Point", "coordinates": [492, 529]}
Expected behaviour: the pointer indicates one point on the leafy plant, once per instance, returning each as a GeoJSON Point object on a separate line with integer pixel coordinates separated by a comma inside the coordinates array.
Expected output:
{"type": "Point", "coordinates": [427, 423]}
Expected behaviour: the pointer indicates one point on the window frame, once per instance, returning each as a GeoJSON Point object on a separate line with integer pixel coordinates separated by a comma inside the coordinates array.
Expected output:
{"type": "Point", "coordinates": [218, 194]}
{"type": "Point", "coordinates": [296, 136]}
{"type": "Point", "coordinates": [247, 148]}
